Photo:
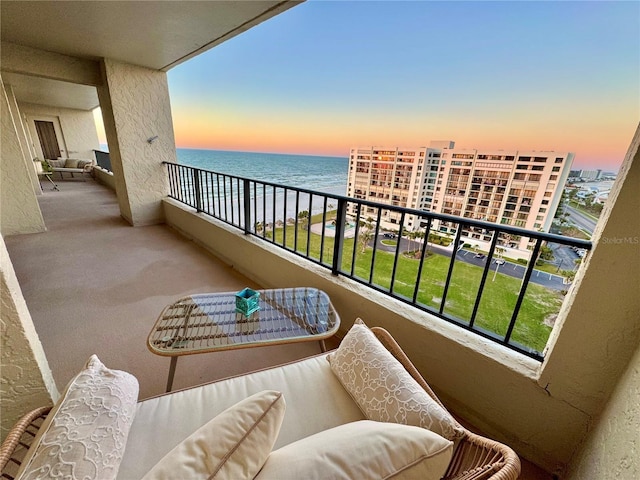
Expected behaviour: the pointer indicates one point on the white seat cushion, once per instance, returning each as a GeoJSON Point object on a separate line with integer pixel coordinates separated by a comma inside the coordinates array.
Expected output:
{"type": "Point", "coordinates": [316, 401]}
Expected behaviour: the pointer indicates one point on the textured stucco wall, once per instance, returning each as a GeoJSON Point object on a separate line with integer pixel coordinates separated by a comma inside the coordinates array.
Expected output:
{"type": "Point", "coordinates": [104, 177]}
{"type": "Point", "coordinates": [19, 209]}
{"type": "Point", "coordinates": [78, 128]}
{"type": "Point", "coordinates": [598, 328]}
{"type": "Point", "coordinates": [612, 451]}
{"type": "Point", "coordinates": [26, 381]}
{"type": "Point", "coordinates": [135, 107]}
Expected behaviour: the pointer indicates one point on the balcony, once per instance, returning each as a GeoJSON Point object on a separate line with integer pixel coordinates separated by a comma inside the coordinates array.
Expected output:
{"type": "Point", "coordinates": [121, 277]}
{"type": "Point", "coordinates": [573, 410]}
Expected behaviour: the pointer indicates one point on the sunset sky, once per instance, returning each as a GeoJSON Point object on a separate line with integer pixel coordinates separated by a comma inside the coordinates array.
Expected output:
{"type": "Point", "coordinates": [326, 76]}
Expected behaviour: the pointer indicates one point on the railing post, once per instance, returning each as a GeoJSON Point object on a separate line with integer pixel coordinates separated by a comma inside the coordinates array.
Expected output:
{"type": "Point", "coordinates": [247, 206]}
{"type": "Point", "coordinates": [338, 244]}
{"type": "Point", "coordinates": [196, 186]}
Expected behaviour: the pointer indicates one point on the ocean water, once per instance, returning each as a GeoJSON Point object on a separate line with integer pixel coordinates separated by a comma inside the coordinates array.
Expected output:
{"type": "Point", "coordinates": [322, 174]}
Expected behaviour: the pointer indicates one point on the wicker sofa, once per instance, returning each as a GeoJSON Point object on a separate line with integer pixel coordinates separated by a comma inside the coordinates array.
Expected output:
{"type": "Point", "coordinates": [71, 166]}
{"type": "Point", "coordinates": [171, 435]}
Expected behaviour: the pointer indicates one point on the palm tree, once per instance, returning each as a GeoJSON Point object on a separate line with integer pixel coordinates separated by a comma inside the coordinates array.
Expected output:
{"type": "Point", "coordinates": [259, 226]}
{"type": "Point", "coordinates": [411, 236]}
{"type": "Point", "coordinates": [303, 218]}
{"type": "Point", "coordinates": [569, 275]}
{"type": "Point", "coordinates": [365, 235]}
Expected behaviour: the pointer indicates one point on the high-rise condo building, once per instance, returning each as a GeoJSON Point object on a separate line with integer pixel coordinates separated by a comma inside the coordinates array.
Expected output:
{"type": "Point", "coordinates": [517, 188]}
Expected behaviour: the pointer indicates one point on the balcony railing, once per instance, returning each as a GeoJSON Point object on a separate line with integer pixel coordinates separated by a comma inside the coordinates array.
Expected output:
{"type": "Point", "coordinates": [103, 159]}
{"type": "Point", "coordinates": [435, 262]}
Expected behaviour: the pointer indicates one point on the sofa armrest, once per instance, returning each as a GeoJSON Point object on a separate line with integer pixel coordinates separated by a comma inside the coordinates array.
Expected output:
{"type": "Point", "coordinates": [19, 439]}
{"type": "Point", "coordinates": [85, 165]}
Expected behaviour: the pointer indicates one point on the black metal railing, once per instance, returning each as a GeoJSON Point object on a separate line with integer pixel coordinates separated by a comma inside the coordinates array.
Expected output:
{"type": "Point", "coordinates": [436, 262]}
{"type": "Point", "coordinates": [103, 159]}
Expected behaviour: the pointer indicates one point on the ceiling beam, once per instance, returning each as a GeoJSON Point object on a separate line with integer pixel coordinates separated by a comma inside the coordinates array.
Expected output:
{"type": "Point", "coordinates": [40, 63]}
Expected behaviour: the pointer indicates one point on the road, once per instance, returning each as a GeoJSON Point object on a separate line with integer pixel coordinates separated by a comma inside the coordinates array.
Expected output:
{"type": "Point", "coordinates": [515, 270]}
{"type": "Point", "coordinates": [579, 219]}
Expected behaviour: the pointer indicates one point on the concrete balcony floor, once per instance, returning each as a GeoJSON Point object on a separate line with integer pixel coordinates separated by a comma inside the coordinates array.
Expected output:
{"type": "Point", "coordinates": [94, 284]}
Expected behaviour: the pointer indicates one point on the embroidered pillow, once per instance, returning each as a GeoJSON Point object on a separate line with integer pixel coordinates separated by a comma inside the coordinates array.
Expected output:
{"type": "Point", "coordinates": [234, 445]}
{"type": "Point", "coordinates": [382, 387]}
{"type": "Point", "coordinates": [361, 450]}
{"type": "Point", "coordinates": [85, 434]}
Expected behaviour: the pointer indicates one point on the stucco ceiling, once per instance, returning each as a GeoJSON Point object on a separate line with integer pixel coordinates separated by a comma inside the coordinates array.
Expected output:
{"type": "Point", "coordinates": [153, 34]}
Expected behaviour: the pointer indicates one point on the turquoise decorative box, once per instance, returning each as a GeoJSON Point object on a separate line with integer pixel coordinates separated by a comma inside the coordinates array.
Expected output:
{"type": "Point", "coordinates": [247, 301]}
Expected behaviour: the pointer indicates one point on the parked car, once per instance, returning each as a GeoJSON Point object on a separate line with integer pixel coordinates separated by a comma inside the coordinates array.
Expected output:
{"type": "Point", "coordinates": [499, 261]}
{"type": "Point", "coordinates": [480, 255]}
{"type": "Point", "coordinates": [389, 235]}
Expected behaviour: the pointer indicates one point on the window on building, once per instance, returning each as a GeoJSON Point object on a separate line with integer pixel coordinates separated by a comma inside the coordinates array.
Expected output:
{"type": "Point", "coordinates": [556, 169]}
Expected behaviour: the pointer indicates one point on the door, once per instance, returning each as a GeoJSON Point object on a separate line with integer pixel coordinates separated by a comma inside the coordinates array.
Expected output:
{"type": "Point", "coordinates": [48, 140]}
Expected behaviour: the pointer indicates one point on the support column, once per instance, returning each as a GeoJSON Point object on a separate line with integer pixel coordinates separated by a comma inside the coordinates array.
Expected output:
{"type": "Point", "coordinates": [20, 210]}
{"type": "Point", "coordinates": [27, 154]}
{"type": "Point", "coordinates": [27, 382]}
{"type": "Point", "coordinates": [137, 120]}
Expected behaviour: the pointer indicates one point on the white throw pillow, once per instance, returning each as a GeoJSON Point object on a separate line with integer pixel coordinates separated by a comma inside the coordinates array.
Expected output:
{"type": "Point", "coordinates": [362, 450]}
{"type": "Point", "coordinates": [234, 445]}
{"type": "Point", "coordinates": [85, 434]}
{"type": "Point", "coordinates": [71, 163]}
{"type": "Point", "coordinates": [382, 387]}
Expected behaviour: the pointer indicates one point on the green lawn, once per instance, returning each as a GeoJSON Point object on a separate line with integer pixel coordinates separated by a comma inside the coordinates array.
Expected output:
{"type": "Point", "coordinates": [498, 299]}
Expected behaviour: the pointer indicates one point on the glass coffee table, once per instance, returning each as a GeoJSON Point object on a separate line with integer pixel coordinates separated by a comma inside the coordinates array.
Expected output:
{"type": "Point", "coordinates": [208, 322]}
